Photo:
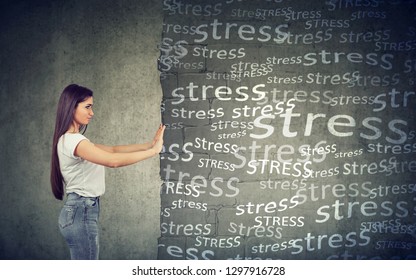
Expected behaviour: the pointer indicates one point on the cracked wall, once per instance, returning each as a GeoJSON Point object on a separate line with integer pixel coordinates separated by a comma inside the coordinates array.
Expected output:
{"type": "Point", "coordinates": [290, 130]}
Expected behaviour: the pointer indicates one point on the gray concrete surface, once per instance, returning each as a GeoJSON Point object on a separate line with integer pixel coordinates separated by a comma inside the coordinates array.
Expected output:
{"type": "Point", "coordinates": [291, 129]}
{"type": "Point", "coordinates": [351, 195]}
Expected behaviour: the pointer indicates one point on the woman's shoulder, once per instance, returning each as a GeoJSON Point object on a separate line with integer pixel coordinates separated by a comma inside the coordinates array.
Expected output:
{"type": "Point", "coordinates": [72, 137]}
{"type": "Point", "coordinates": [68, 142]}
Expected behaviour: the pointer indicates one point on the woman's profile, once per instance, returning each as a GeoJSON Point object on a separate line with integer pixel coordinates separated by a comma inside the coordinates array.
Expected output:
{"type": "Point", "coordinates": [77, 169]}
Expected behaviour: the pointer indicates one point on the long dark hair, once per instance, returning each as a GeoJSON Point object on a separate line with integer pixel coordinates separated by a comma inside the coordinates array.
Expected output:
{"type": "Point", "coordinates": [68, 102]}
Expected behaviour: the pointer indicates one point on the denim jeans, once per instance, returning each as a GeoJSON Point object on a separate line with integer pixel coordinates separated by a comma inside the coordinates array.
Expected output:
{"type": "Point", "coordinates": [78, 223]}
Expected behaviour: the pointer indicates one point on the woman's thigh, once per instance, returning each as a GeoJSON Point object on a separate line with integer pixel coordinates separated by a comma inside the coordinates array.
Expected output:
{"type": "Point", "coordinates": [78, 223]}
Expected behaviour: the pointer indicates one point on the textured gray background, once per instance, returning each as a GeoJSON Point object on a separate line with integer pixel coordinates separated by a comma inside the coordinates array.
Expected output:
{"type": "Point", "coordinates": [346, 216]}
{"type": "Point", "coordinates": [111, 47]}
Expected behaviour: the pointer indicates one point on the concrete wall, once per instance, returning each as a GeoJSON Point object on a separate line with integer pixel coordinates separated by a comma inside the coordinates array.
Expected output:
{"type": "Point", "coordinates": [306, 167]}
{"type": "Point", "coordinates": [291, 129]}
{"type": "Point", "coordinates": [111, 47]}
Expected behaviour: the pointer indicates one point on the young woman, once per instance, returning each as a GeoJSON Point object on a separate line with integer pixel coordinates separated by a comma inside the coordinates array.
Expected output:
{"type": "Point", "coordinates": [77, 166]}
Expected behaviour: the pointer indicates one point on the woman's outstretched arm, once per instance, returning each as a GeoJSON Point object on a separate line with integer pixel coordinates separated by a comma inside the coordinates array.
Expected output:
{"type": "Point", "coordinates": [132, 147]}
{"type": "Point", "coordinates": [111, 158]}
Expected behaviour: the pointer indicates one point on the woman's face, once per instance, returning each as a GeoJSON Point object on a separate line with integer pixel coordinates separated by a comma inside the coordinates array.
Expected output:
{"type": "Point", "coordinates": [83, 113]}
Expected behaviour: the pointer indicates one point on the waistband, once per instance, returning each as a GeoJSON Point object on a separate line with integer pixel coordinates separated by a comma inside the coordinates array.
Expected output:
{"type": "Point", "coordinates": [71, 196]}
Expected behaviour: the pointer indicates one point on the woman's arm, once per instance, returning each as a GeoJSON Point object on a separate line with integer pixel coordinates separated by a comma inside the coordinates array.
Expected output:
{"type": "Point", "coordinates": [93, 153]}
{"type": "Point", "coordinates": [133, 147]}
{"type": "Point", "coordinates": [125, 148]}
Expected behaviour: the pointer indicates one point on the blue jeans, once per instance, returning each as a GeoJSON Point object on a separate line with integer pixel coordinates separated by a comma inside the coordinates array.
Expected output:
{"type": "Point", "coordinates": [78, 223]}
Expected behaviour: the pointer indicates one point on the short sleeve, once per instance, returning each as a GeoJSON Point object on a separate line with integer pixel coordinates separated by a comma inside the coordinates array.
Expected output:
{"type": "Point", "coordinates": [70, 142]}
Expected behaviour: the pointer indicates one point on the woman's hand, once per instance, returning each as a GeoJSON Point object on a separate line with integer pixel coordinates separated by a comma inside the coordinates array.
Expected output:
{"type": "Point", "coordinates": [157, 143]}
{"type": "Point", "coordinates": [157, 134]}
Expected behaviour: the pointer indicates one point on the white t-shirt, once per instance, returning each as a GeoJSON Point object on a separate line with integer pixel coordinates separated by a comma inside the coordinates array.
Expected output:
{"type": "Point", "coordinates": [80, 176]}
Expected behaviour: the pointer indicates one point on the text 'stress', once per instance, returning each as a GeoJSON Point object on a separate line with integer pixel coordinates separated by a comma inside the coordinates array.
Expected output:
{"type": "Point", "coordinates": [290, 129]}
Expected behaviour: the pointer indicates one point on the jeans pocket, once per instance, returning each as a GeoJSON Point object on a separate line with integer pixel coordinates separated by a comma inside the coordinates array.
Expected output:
{"type": "Point", "coordinates": [91, 202]}
{"type": "Point", "coordinates": [67, 216]}
{"type": "Point", "coordinates": [92, 209]}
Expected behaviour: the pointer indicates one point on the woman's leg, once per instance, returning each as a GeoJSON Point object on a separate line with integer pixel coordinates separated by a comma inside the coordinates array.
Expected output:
{"type": "Point", "coordinates": [78, 222]}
